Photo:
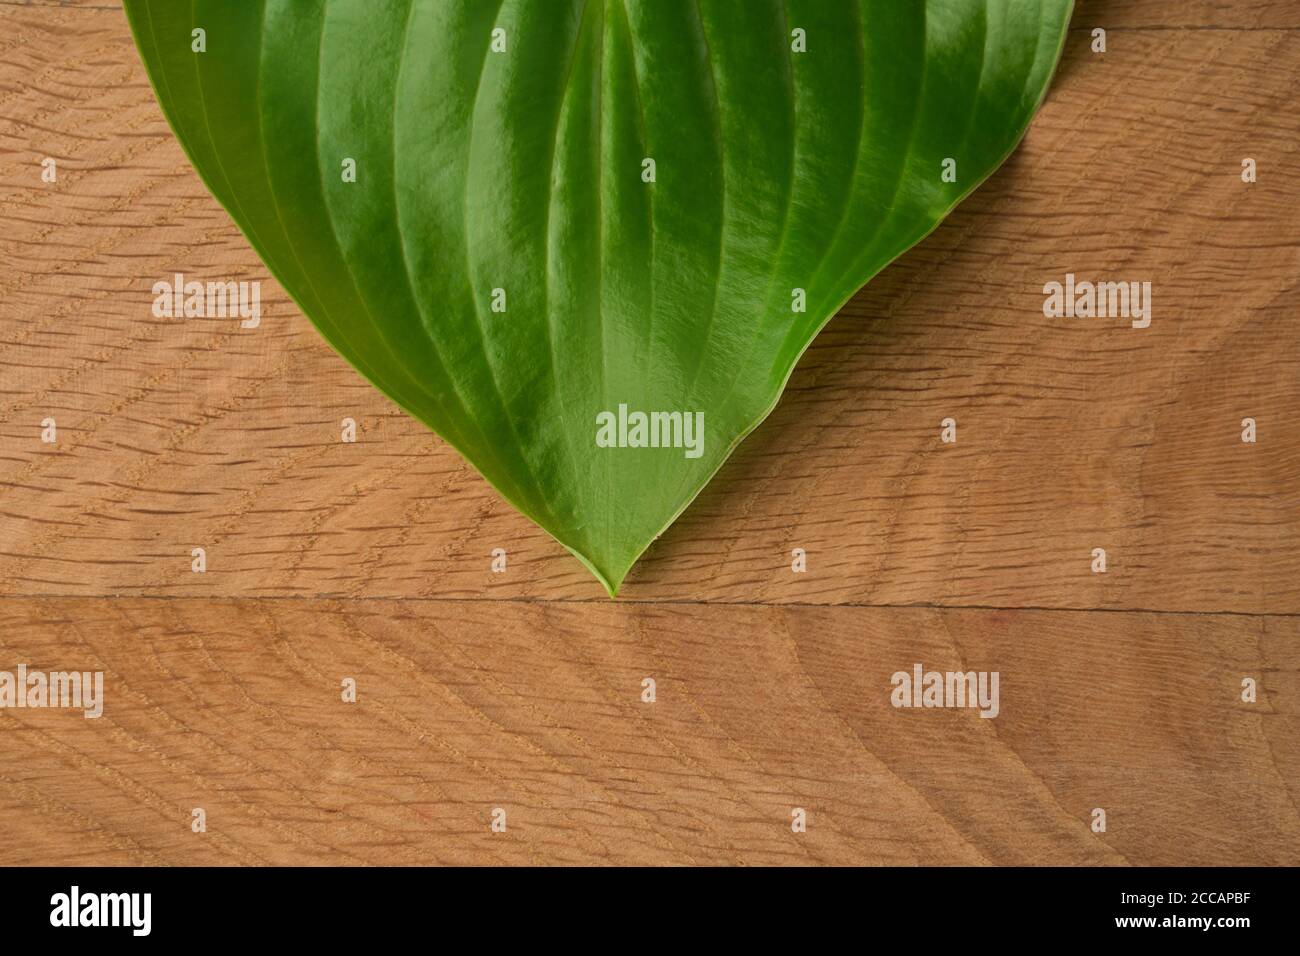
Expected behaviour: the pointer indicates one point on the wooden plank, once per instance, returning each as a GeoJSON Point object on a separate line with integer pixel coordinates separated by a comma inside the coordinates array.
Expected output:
{"type": "Point", "coordinates": [462, 707]}
{"type": "Point", "coordinates": [1074, 434]}
{"type": "Point", "coordinates": [1185, 14]}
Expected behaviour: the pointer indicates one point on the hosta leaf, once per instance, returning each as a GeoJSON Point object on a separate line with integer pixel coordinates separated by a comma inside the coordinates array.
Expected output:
{"type": "Point", "coordinates": [510, 266]}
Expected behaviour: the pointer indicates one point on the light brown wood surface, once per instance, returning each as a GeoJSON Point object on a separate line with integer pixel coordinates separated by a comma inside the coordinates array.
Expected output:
{"type": "Point", "coordinates": [522, 690]}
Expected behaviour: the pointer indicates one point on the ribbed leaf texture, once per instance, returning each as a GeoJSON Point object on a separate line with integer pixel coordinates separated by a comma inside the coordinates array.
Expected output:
{"type": "Point", "coordinates": [509, 268]}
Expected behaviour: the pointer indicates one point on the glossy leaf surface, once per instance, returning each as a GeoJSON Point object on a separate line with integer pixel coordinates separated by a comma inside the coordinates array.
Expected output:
{"type": "Point", "coordinates": [570, 211]}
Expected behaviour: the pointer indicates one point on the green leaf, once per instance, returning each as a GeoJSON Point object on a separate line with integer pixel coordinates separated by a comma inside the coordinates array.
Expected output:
{"type": "Point", "coordinates": [798, 147]}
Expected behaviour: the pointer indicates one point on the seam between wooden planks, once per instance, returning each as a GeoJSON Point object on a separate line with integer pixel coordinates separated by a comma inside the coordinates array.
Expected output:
{"type": "Point", "coordinates": [325, 597]}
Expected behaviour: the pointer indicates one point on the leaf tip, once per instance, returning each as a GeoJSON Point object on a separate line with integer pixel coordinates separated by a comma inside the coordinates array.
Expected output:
{"type": "Point", "coordinates": [610, 574]}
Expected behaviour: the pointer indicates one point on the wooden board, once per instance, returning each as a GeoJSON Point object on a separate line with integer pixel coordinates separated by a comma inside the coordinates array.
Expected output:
{"type": "Point", "coordinates": [235, 707]}
{"type": "Point", "coordinates": [522, 690]}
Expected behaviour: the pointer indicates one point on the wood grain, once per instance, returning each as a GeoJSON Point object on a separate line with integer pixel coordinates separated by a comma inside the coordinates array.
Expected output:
{"type": "Point", "coordinates": [522, 690]}
{"type": "Point", "coordinates": [462, 707]}
{"type": "Point", "coordinates": [1073, 434]}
